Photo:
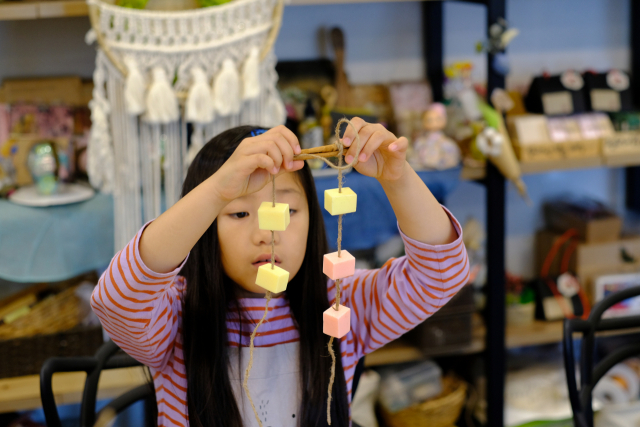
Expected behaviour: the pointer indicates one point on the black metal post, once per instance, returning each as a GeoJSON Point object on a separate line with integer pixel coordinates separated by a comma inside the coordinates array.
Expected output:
{"type": "Point", "coordinates": [633, 173]}
{"type": "Point", "coordinates": [495, 354]}
{"type": "Point", "coordinates": [432, 30]}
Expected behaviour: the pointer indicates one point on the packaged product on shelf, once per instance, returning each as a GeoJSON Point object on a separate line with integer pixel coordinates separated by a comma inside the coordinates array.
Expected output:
{"type": "Point", "coordinates": [593, 221]}
{"type": "Point", "coordinates": [557, 95]}
{"type": "Point", "coordinates": [609, 92]}
{"type": "Point", "coordinates": [410, 383]}
{"type": "Point", "coordinates": [591, 260]}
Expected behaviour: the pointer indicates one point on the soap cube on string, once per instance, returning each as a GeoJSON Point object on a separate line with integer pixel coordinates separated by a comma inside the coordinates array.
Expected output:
{"type": "Point", "coordinates": [337, 203]}
{"type": "Point", "coordinates": [336, 323]}
{"type": "Point", "coordinates": [338, 267]}
{"type": "Point", "coordinates": [274, 280]}
{"type": "Point", "coordinates": [274, 218]}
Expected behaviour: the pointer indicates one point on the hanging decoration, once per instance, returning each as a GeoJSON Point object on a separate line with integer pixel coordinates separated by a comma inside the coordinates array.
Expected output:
{"type": "Point", "coordinates": [155, 72]}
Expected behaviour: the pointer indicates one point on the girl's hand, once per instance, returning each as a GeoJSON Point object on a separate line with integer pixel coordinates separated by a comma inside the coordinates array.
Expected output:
{"type": "Point", "coordinates": [383, 156]}
{"type": "Point", "coordinates": [255, 160]}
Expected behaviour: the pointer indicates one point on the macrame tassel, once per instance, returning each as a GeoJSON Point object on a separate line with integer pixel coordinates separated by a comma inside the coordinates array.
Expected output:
{"type": "Point", "coordinates": [197, 142]}
{"type": "Point", "coordinates": [162, 104]}
{"type": "Point", "coordinates": [275, 112]}
{"type": "Point", "coordinates": [226, 90]}
{"type": "Point", "coordinates": [100, 163]}
{"type": "Point", "coordinates": [199, 107]}
{"type": "Point", "coordinates": [134, 88]}
{"type": "Point", "coordinates": [251, 75]}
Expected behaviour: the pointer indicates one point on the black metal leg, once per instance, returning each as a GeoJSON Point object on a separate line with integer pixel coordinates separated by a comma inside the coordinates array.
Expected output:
{"type": "Point", "coordinates": [633, 173]}
{"type": "Point", "coordinates": [495, 316]}
{"type": "Point", "coordinates": [432, 45]}
{"type": "Point", "coordinates": [495, 354]}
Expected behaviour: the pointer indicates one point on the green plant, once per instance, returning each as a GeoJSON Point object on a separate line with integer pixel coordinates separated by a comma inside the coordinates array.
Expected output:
{"type": "Point", "coordinates": [207, 3]}
{"type": "Point", "coordinates": [133, 4]}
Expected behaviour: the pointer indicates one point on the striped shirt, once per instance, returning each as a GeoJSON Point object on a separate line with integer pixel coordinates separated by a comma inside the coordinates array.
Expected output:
{"type": "Point", "coordinates": [142, 311]}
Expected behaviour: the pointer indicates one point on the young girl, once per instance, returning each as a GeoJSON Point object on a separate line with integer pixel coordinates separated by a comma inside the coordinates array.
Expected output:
{"type": "Point", "coordinates": [192, 330]}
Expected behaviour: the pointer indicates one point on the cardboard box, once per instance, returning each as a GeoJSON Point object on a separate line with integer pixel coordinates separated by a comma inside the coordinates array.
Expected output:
{"type": "Point", "coordinates": [621, 148]}
{"type": "Point", "coordinates": [532, 143]}
{"type": "Point", "coordinates": [560, 218]}
{"type": "Point", "coordinates": [62, 90]}
{"type": "Point", "coordinates": [591, 260]}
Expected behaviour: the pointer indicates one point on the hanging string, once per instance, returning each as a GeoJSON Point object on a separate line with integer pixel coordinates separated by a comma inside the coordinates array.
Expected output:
{"type": "Point", "coordinates": [273, 233]}
{"type": "Point", "coordinates": [245, 383]}
{"type": "Point", "coordinates": [333, 376]}
{"type": "Point", "coordinates": [340, 149]}
{"type": "Point", "coordinates": [336, 307]}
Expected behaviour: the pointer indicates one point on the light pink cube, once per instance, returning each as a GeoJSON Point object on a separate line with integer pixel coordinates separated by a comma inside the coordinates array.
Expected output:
{"type": "Point", "coordinates": [336, 323]}
{"type": "Point", "coordinates": [339, 267]}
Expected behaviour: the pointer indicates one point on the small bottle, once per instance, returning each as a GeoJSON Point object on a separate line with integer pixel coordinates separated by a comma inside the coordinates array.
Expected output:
{"type": "Point", "coordinates": [311, 133]}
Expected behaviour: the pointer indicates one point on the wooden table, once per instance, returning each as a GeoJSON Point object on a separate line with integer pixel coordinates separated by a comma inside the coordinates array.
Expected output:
{"type": "Point", "coordinates": [23, 393]}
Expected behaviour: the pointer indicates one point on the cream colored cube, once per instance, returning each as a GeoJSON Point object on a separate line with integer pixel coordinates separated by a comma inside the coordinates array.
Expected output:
{"type": "Point", "coordinates": [337, 203]}
{"type": "Point", "coordinates": [271, 217]}
{"type": "Point", "coordinates": [274, 280]}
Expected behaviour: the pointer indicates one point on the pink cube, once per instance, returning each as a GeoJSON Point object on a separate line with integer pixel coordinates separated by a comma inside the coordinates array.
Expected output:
{"type": "Point", "coordinates": [336, 323]}
{"type": "Point", "coordinates": [339, 267]}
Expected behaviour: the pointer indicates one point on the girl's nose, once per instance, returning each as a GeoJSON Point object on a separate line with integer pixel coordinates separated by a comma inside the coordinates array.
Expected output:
{"type": "Point", "coordinates": [263, 237]}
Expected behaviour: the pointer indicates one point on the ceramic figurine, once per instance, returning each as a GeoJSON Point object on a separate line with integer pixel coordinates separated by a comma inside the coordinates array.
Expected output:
{"type": "Point", "coordinates": [433, 148]}
{"type": "Point", "coordinates": [43, 165]}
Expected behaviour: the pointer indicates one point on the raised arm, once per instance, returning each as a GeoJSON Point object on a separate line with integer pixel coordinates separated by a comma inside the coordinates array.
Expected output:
{"type": "Point", "coordinates": [390, 301]}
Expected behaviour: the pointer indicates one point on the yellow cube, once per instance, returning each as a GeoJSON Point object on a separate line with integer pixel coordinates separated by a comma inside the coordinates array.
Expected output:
{"type": "Point", "coordinates": [271, 217]}
{"type": "Point", "coordinates": [274, 280]}
{"type": "Point", "coordinates": [337, 203]}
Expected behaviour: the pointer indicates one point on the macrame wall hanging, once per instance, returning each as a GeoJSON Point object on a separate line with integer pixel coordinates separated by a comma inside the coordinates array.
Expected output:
{"type": "Point", "coordinates": [158, 71]}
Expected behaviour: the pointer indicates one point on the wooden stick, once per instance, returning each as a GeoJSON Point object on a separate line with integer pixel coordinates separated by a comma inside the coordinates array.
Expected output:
{"type": "Point", "coordinates": [315, 152]}
{"type": "Point", "coordinates": [315, 155]}
{"type": "Point", "coordinates": [322, 149]}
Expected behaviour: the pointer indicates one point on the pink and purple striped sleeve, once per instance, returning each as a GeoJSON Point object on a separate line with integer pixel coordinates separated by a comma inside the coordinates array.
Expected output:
{"type": "Point", "coordinates": [390, 301]}
{"type": "Point", "coordinates": [138, 308]}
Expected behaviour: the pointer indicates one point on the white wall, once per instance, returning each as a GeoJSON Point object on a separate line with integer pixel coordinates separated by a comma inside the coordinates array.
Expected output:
{"type": "Point", "coordinates": [384, 44]}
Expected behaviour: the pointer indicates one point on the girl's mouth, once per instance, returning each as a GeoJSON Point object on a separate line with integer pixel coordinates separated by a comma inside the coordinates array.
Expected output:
{"type": "Point", "coordinates": [265, 259]}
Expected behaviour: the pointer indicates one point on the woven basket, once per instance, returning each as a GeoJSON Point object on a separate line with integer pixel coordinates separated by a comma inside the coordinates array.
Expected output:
{"type": "Point", "coordinates": [441, 411]}
{"type": "Point", "coordinates": [52, 328]}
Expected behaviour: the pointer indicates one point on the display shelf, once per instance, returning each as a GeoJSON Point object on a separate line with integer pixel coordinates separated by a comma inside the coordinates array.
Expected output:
{"type": "Point", "coordinates": [531, 168]}
{"type": "Point", "coordinates": [14, 10]}
{"type": "Point", "coordinates": [44, 9]}
{"type": "Point", "coordinates": [541, 332]}
{"type": "Point", "coordinates": [23, 393]}
{"type": "Point", "coordinates": [402, 350]}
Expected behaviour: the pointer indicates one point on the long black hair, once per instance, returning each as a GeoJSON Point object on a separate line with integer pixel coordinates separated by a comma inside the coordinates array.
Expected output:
{"type": "Point", "coordinates": [210, 295]}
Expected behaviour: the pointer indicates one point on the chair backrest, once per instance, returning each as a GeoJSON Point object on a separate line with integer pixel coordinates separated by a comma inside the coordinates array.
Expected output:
{"type": "Point", "coordinates": [590, 373]}
{"type": "Point", "coordinates": [105, 358]}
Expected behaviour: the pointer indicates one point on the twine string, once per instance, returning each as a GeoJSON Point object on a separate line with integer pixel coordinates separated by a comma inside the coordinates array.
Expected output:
{"type": "Point", "coordinates": [245, 383]}
{"type": "Point", "coordinates": [333, 376]}
{"type": "Point", "coordinates": [340, 167]}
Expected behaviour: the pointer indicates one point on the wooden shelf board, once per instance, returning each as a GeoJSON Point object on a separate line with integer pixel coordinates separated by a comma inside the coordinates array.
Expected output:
{"type": "Point", "coordinates": [540, 332]}
{"type": "Point", "coordinates": [400, 350]}
{"type": "Point", "coordinates": [45, 9]}
{"type": "Point", "coordinates": [23, 393]}
{"type": "Point", "coordinates": [321, 2]}
{"type": "Point", "coordinates": [557, 165]}
{"type": "Point", "coordinates": [13, 10]}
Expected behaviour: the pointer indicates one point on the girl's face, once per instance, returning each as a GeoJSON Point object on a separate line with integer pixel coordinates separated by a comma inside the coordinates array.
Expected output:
{"type": "Point", "coordinates": [245, 247]}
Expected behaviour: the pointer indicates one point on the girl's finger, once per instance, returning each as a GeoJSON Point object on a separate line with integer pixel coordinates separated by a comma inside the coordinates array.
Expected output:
{"type": "Point", "coordinates": [273, 150]}
{"type": "Point", "coordinates": [261, 161]}
{"type": "Point", "coordinates": [350, 133]}
{"type": "Point", "coordinates": [375, 141]}
{"type": "Point", "coordinates": [399, 146]}
{"type": "Point", "coordinates": [285, 149]}
{"type": "Point", "coordinates": [364, 134]}
{"type": "Point", "coordinates": [289, 136]}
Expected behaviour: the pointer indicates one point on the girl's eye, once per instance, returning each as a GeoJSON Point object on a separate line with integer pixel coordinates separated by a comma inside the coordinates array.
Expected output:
{"type": "Point", "coordinates": [292, 211]}
{"type": "Point", "coordinates": [240, 215]}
